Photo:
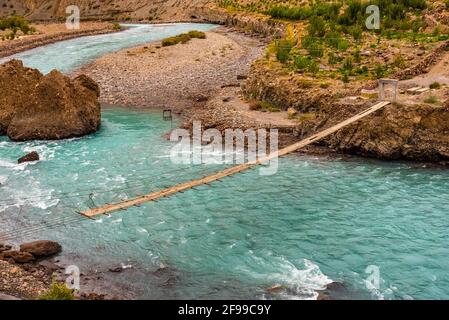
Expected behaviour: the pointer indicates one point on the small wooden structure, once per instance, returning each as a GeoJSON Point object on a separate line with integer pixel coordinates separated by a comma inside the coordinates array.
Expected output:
{"type": "Point", "coordinates": [382, 83]}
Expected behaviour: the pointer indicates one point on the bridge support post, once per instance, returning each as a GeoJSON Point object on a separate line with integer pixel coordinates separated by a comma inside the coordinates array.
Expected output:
{"type": "Point", "coordinates": [382, 83]}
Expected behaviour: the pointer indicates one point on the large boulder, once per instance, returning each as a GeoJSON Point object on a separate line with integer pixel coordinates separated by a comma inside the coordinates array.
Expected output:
{"type": "Point", "coordinates": [16, 83]}
{"type": "Point", "coordinates": [46, 107]}
{"type": "Point", "coordinates": [41, 248]}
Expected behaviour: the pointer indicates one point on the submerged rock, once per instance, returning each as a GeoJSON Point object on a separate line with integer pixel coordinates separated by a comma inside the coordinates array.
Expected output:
{"type": "Point", "coordinates": [46, 107]}
{"type": "Point", "coordinates": [41, 248]}
{"type": "Point", "coordinates": [32, 156]}
{"type": "Point", "coordinates": [333, 291]}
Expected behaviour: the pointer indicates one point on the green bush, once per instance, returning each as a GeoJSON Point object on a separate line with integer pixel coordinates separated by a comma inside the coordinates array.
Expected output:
{"type": "Point", "coordinates": [16, 23]}
{"type": "Point", "coordinates": [435, 85]}
{"type": "Point", "coordinates": [343, 45]}
{"type": "Point", "coordinates": [283, 12]}
{"type": "Point", "coordinates": [333, 39]}
{"type": "Point", "coordinates": [197, 34]}
{"type": "Point", "coordinates": [379, 72]}
{"type": "Point", "coordinates": [362, 70]}
{"type": "Point", "coordinates": [356, 32]}
{"type": "Point", "coordinates": [301, 62]}
{"type": "Point", "coordinates": [306, 64]}
{"type": "Point", "coordinates": [57, 291]}
{"type": "Point", "coordinates": [283, 48]}
{"type": "Point", "coordinates": [347, 64]}
{"type": "Point", "coordinates": [399, 62]}
{"type": "Point", "coordinates": [357, 56]}
{"type": "Point", "coordinates": [333, 59]}
{"type": "Point", "coordinates": [431, 99]}
{"type": "Point", "coordinates": [183, 38]}
{"type": "Point", "coordinates": [268, 107]}
{"type": "Point", "coordinates": [263, 106]}
{"type": "Point", "coordinates": [345, 77]}
{"type": "Point", "coordinates": [317, 27]}
{"type": "Point", "coordinates": [313, 45]}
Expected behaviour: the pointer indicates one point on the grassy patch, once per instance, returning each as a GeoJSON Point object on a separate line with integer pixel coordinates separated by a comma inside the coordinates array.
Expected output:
{"type": "Point", "coordinates": [116, 26]}
{"type": "Point", "coordinates": [183, 38]}
{"type": "Point", "coordinates": [431, 99]}
{"type": "Point", "coordinates": [435, 85]}
{"type": "Point", "coordinates": [262, 106]}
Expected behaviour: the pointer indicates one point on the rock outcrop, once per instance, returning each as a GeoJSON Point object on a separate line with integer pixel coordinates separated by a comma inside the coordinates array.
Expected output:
{"type": "Point", "coordinates": [17, 256]}
{"type": "Point", "coordinates": [269, 82]}
{"type": "Point", "coordinates": [41, 248]}
{"type": "Point", "coordinates": [46, 107]}
{"type": "Point", "coordinates": [32, 156]}
{"type": "Point", "coordinates": [30, 251]}
{"type": "Point", "coordinates": [424, 65]}
{"type": "Point", "coordinates": [411, 132]}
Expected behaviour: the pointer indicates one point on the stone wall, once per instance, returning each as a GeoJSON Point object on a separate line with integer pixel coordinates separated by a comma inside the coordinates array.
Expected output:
{"type": "Point", "coordinates": [424, 65]}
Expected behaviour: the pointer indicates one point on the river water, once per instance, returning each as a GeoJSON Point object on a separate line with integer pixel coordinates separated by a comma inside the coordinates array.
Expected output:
{"type": "Point", "coordinates": [315, 221]}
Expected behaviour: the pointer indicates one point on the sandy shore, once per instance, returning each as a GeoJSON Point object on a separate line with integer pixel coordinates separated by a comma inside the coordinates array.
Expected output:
{"type": "Point", "coordinates": [50, 33]}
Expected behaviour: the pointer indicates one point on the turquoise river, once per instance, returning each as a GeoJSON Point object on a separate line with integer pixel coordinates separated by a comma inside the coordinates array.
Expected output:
{"type": "Point", "coordinates": [315, 221]}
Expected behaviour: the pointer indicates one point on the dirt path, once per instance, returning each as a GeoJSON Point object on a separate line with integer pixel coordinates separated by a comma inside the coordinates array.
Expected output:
{"type": "Point", "coordinates": [438, 73]}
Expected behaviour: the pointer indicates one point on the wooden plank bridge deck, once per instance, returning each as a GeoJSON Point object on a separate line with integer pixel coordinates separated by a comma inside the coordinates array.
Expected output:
{"type": "Point", "coordinates": [230, 171]}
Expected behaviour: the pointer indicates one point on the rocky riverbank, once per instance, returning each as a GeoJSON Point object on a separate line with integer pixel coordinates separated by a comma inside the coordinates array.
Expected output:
{"type": "Point", "coordinates": [25, 273]}
{"type": "Point", "coordinates": [414, 128]}
{"type": "Point", "coordinates": [28, 271]}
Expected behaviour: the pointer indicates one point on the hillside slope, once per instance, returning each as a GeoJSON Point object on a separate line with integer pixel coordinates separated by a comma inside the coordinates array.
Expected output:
{"type": "Point", "coordinates": [132, 9]}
